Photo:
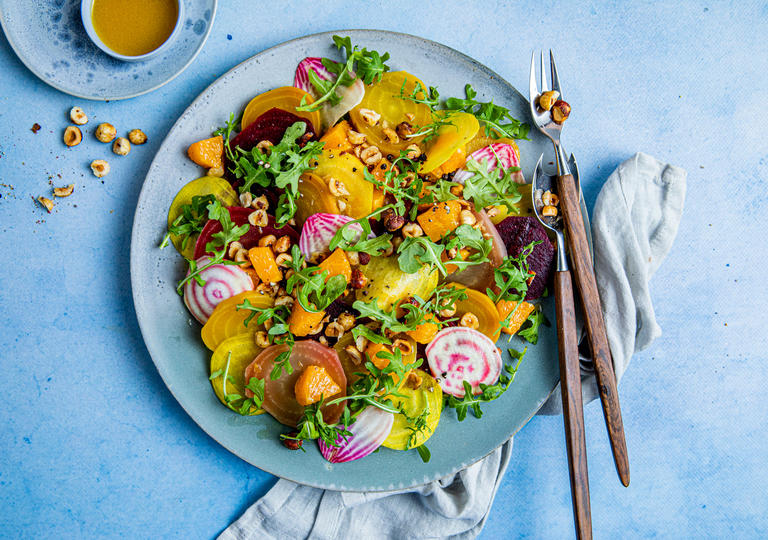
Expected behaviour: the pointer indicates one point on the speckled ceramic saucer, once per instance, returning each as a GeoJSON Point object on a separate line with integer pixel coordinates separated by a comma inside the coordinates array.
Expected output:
{"type": "Point", "coordinates": [48, 36]}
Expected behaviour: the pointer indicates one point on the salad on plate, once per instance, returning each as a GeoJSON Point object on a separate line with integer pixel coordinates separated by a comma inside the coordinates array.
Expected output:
{"type": "Point", "coordinates": [356, 250]}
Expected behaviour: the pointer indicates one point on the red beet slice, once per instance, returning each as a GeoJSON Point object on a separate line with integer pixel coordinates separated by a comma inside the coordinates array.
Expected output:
{"type": "Point", "coordinates": [519, 231]}
{"type": "Point", "coordinates": [270, 126]}
{"type": "Point", "coordinates": [239, 216]}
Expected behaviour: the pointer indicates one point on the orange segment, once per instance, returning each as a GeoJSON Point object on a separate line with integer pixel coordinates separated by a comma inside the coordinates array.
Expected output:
{"type": "Point", "coordinates": [337, 264]}
{"type": "Point", "coordinates": [207, 153]}
{"type": "Point", "coordinates": [519, 314]}
{"type": "Point", "coordinates": [440, 219]}
{"type": "Point", "coordinates": [425, 331]}
{"type": "Point", "coordinates": [313, 384]}
{"type": "Point", "coordinates": [263, 261]}
{"type": "Point", "coordinates": [302, 322]}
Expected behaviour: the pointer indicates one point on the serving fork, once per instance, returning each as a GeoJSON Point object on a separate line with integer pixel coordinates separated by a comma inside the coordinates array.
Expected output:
{"type": "Point", "coordinates": [570, 372]}
{"type": "Point", "coordinates": [568, 193]}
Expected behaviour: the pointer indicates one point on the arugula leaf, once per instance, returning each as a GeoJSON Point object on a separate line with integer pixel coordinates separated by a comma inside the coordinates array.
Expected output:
{"type": "Point", "coordinates": [493, 116]}
{"type": "Point", "coordinates": [511, 276]}
{"type": "Point", "coordinates": [417, 252]}
{"type": "Point", "coordinates": [314, 289]}
{"type": "Point", "coordinates": [491, 187]}
{"type": "Point", "coordinates": [246, 404]}
{"type": "Point", "coordinates": [424, 453]}
{"type": "Point", "coordinates": [280, 166]}
{"type": "Point", "coordinates": [530, 328]}
{"type": "Point", "coordinates": [370, 335]}
{"type": "Point", "coordinates": [190, 221]}
{"type": "Point", "coordinates": [218, 244]}
{"type": "Point", "coordinates": [362, 64]}
{"type": "Point", "coordinates": [430, 98]}
{"type": "Point", "coordinates": [278, 332]}
{"type": "Point", "coordinates": [466, 236]}
{"type": "Point", "coordinates": [487, 392]}
{"type": "Point", "coordinates": [313, 426]}
{"type": "Point", "coordinates": [350, 239]}
{"type": "Point", "coordinates": [388, 319]}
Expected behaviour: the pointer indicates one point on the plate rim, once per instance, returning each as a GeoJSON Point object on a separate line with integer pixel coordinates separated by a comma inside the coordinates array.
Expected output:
{"type": "Point", "coordinates": [134, 263]}
{"type": "Point", "coordinates": [42, 77]}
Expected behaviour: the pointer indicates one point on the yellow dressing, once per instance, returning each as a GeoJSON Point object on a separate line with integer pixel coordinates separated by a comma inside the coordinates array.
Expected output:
{"type": "Point", "coordinates": [134, 27]}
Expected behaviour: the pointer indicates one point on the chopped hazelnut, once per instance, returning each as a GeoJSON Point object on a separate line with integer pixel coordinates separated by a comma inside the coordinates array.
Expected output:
{"type": "Point", "coordinates": [47, 203]}
{"type": "Point", "coordinates": [404, 130]}
{"type": "Point", "coordinates": [412, 230]}
{"type": "Point", "coordinates": [391, 135]}
{"type": "Point", "coordinates": [371, 155]}
{"type": "Point", "coordinates": [469, 320]}
{"type": "Point", "coordinates": [100, 168]}
{"type": "Point", "coordinates": [78, 116]}
{"type": "Point", "coordinates": [267, 241]}
{"type": "Point", "coordinates": [371, 117]}
{"type": "Point", "coordinates": [258, 218]}
{"type": "Point", "coordinates": [64, 191]}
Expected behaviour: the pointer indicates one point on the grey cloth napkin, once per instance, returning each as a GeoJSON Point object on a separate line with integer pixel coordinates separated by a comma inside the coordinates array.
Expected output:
{"type": "Point", "coordinates": [634, 224]}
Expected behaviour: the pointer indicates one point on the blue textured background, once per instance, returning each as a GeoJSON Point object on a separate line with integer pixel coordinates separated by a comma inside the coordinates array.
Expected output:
{"type": "Point", "coordinates": [92, 444]}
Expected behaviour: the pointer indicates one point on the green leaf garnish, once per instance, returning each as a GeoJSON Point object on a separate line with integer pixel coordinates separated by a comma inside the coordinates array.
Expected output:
{"type": "Point", "coordinates": [497, 119]}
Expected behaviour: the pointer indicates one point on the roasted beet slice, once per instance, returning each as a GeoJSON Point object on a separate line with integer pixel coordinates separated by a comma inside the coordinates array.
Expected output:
{"type": "Point", "coordinates": [239, 216]}
{"type": "Point", "coordinates": [519, 231]}
{"type": "Point", "coordinates": [271, 127]}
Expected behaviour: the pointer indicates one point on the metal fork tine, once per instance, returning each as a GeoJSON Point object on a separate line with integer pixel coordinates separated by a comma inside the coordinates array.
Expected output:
{"type": "Point", "coordinates": [533, 90]}
{"type": "Point", "coordinates": [544, 87]}
{"type": "Point", "coordinates": [555, 78]}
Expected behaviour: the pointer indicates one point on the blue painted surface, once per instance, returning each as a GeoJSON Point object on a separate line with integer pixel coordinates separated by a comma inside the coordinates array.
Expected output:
{"type": "Point", "coordinates": [94, 445]}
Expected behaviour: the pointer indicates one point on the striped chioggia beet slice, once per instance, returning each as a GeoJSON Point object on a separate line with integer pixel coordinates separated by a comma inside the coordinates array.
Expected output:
{"type": "Point", "coordinates": [370, 428]}
{"type": "Point", "coordinates": [498, 154]}
{"type": "Point", "coordinates": [461, 354]}
{"type": "Point", "coordinates": [222, 281]}
{"type": "Point", "coordinates": [318, 231]}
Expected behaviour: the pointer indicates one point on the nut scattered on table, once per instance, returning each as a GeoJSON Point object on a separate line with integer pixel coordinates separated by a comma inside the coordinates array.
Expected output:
{"type": "Point", "coordinates": [136, 136]}
{"type": "Point", "coordinates": [47, 203]}
{"type": "Point", "coordinates": [560, 111]}
{"type": "Point", "coordinates": [121, 146]}
{"type": "Point", "coordinates": [547, 99]}
{"type": "Point", "coordinates": [100, 168]}
{"type": "Point", "coordinates": [106, 132]}
{"type": "Point", "coordinates": [72, 136]}
{"type": "Point", "coordinates": [65, 191]}
{"type": "Point", "coordinates": [78, 116]}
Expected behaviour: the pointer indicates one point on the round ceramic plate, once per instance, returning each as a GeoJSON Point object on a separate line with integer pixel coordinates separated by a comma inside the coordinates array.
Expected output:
{"type": "Point", "coordinates": [48, 36]}
{"type": "Point", "coordinates": [173, 339]}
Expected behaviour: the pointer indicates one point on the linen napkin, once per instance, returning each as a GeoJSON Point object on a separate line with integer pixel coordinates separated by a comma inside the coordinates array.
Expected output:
{"type": "Point", "coordinates": [634, 224]}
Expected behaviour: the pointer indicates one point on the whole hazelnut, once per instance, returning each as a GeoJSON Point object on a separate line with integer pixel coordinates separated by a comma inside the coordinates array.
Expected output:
{"type": "Point", "coordinates": [547, 99]}
{"type": "Point", "coordinates": [121, 146]}
{"type": "Point", "coordinates": [136, 136]}
{"type": "Point", "coordinates": [560, 111]}
{"type": "Point", "coordinates": [105, 132]}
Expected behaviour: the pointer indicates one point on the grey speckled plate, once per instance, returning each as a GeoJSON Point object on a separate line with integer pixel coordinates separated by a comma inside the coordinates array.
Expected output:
{"type": "Point", "coordinates": [173, 339]}
{"type": "Point", "coordinates": [48, 36]}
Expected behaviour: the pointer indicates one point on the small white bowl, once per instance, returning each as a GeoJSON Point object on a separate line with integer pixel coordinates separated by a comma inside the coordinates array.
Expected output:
{"type": "Point", "coordinates": [86, 6]}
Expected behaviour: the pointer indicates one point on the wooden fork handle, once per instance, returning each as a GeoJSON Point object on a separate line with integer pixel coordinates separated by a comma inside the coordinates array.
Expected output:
{"type": "Point", "coordinates": [595, 325]}
{"type": "Point", "coordinates": [573, 412]}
